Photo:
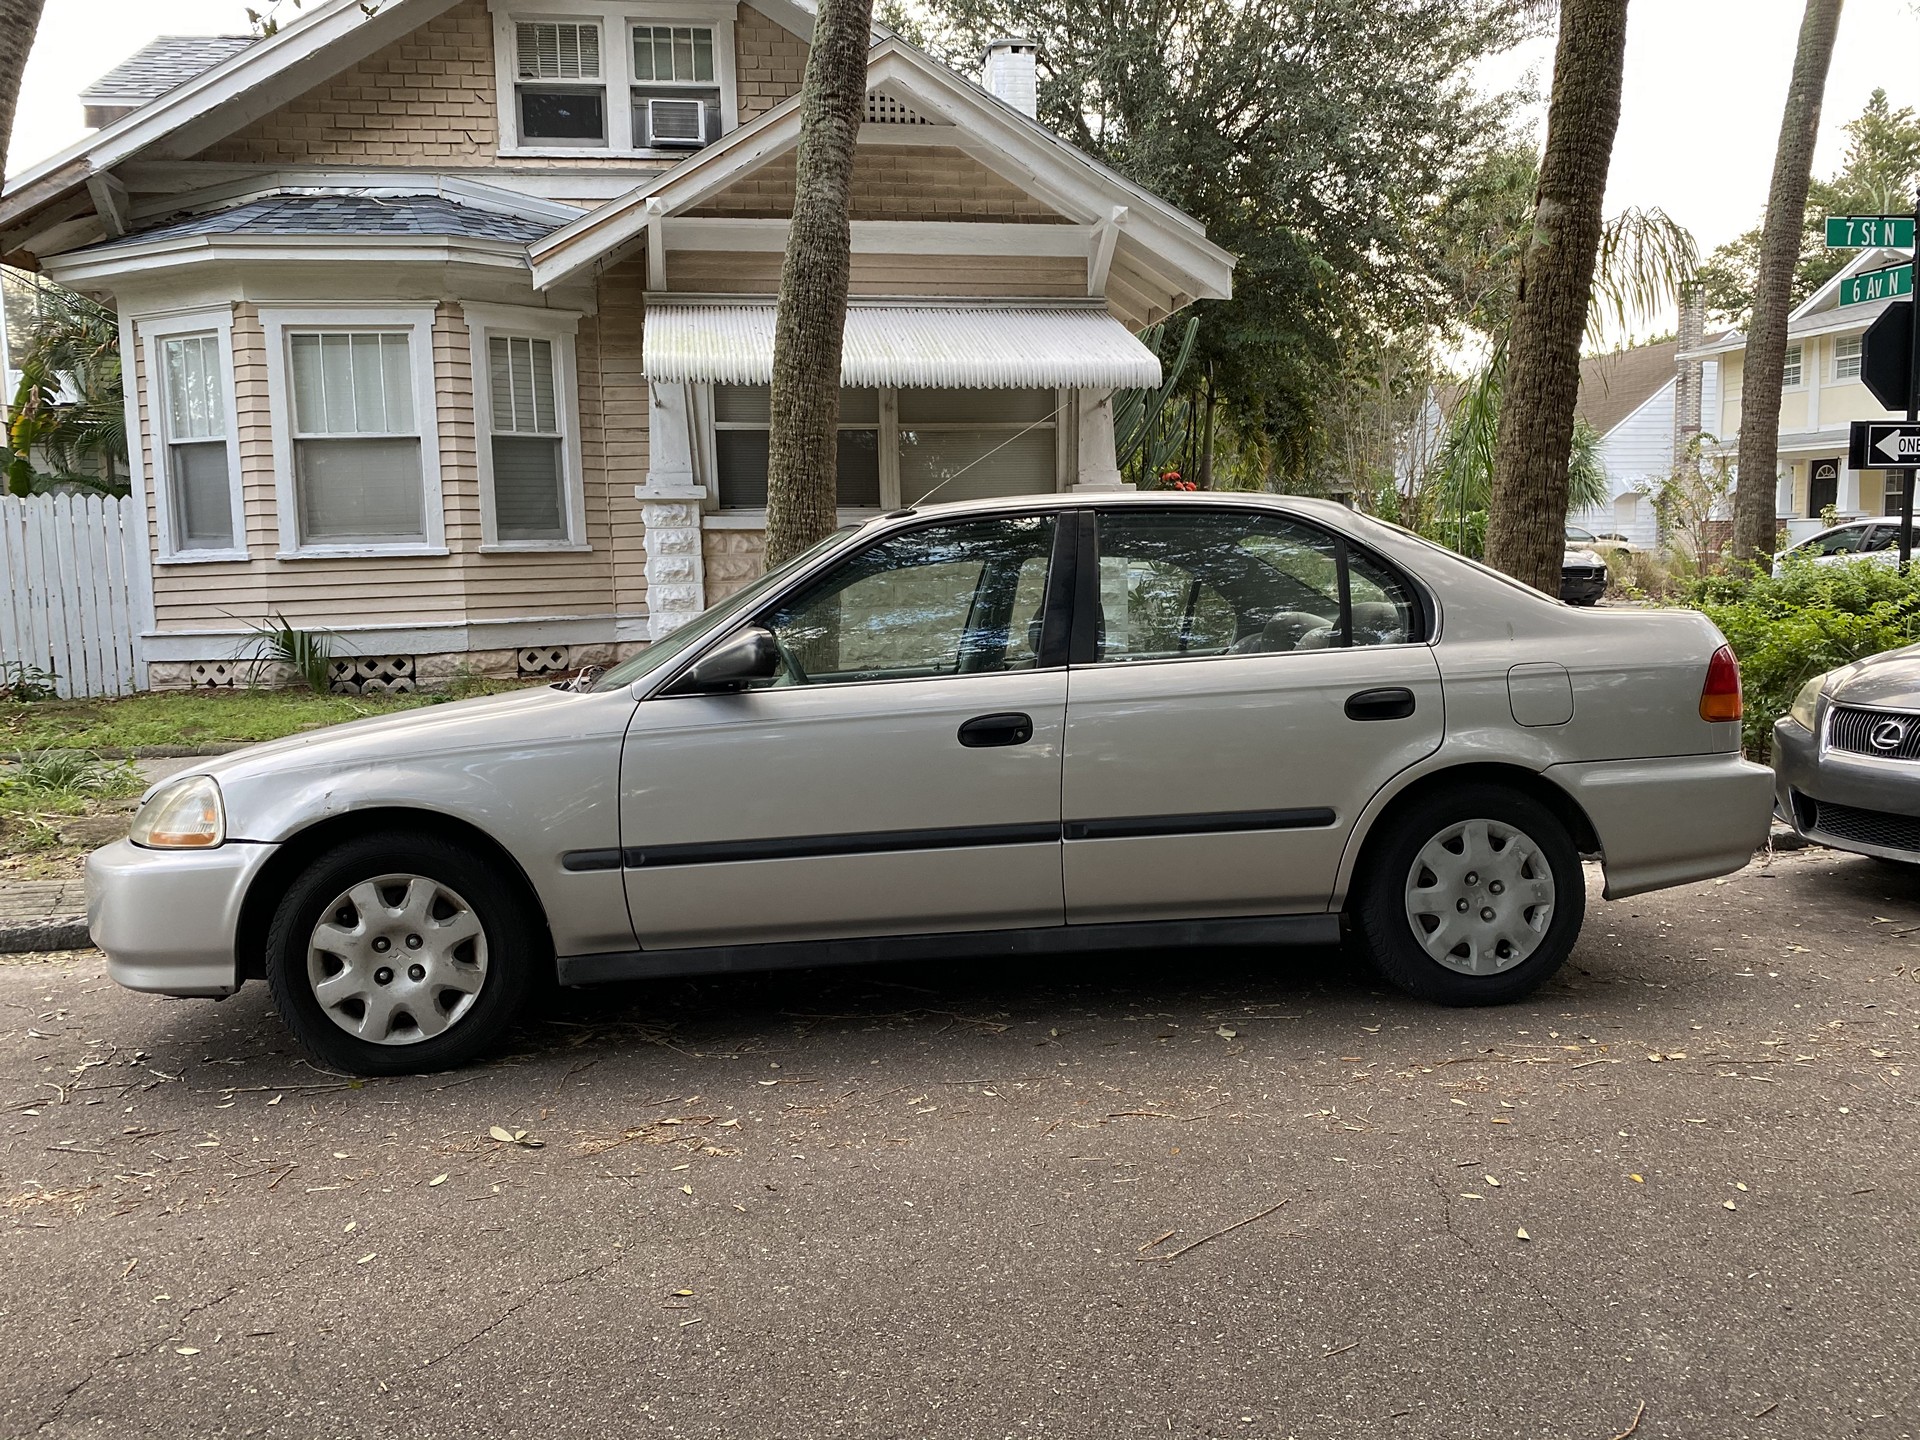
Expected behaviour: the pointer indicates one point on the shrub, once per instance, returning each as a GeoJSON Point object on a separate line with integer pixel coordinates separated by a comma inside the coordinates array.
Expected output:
{"type": "Point", "coordinates": [1807, 620]}
{"type": "Point", "coordinates": [26, 683]}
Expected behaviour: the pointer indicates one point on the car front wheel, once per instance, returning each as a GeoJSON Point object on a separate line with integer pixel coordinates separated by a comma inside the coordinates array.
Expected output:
{"type": "Point", "coordinates": [401, 954]}
{"type": "Point", "coordinates": [1475, 897]}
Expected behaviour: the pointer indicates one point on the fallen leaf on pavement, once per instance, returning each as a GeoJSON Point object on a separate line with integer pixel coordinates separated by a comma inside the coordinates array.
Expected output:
{"type": "Point", "coordinates": [185, 1350]}
{"type": "Point", "coordinates": [1521, 1235]}
{"type": "Point", "coordinates": [437, 1180]}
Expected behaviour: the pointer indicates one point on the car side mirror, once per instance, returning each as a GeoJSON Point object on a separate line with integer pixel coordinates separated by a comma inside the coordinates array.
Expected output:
{"type": "Point", "coordinates": [733, 664]}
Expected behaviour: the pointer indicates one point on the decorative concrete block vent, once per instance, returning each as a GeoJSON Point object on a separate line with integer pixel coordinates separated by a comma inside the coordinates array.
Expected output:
{"type": "Point", "coordinates": [218, 674]}
{"type": "Point", "coordinates": [536, 660]}
{"type": "Point", "coordinates": [372, 675]}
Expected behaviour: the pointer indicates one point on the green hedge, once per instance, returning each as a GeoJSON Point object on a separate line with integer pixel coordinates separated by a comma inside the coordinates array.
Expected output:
{"type": "Point", "coordinates": [1808, 619]}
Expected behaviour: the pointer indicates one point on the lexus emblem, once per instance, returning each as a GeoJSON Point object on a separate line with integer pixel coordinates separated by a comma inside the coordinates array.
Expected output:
{"type": "Point", "coordinates": [1888, 734]}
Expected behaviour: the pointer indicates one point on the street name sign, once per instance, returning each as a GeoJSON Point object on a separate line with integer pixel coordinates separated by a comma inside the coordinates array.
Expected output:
{"type": "Point", "coordinates": [1883, 444]}
{"type": "Point", "coordinates": [1874, 285]}
{"type": "Point", "coordinates": [1863, 232]}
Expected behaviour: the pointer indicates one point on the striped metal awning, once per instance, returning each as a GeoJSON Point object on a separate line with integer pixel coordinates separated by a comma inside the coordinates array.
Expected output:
{"type": "Point", "coordinates": [964, 345]}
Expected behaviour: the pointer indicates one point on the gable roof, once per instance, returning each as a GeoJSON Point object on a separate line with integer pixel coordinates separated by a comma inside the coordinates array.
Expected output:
{"type": "Point", "coordinates": [1158, 237]}
{"type": "Point", "coordinates": [159, 66]}
{"type": "Point", "coordinates": [1615, 385]}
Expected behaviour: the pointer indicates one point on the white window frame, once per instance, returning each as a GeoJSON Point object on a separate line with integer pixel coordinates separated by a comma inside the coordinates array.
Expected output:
{"type": "Point", "coordinates": [416, 321]}
{"type": "Point", "coordinates": [889, 427]}
{"type": "Point", "coordinates": [1798, 354]}
{"type": "Point", "coordinates": [616, 19]}
{"type": "Point", "coordinates": [153, 330]}
{"type": "Point", "coordinates": [1859, 346]}
{"type": "Point", "coordinates": [560, 328]}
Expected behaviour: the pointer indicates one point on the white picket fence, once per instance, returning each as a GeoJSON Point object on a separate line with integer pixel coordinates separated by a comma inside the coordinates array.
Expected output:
{"type": "Point", "coordinates": [66, 597]}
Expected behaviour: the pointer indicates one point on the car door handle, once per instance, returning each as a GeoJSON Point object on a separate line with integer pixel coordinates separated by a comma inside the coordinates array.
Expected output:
{"type": "Point", "coordinates": [1009, 728]}
{"type": "Point", "coordinates": [1394, 702]}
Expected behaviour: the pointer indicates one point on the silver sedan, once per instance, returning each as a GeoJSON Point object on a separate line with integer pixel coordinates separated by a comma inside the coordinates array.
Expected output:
{"type": "Point", "coordinates": [1006, 727]}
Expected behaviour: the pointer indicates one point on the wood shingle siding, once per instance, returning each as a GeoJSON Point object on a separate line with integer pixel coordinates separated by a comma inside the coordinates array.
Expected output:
{"type": "Point", "coordinates": [713, 272]}
{"type": "Point", "coordinates": [893, 182]}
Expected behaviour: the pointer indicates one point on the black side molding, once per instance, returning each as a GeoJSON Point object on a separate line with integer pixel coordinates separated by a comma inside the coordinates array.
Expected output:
{"type": "Point", "coordinates": [1127, 827]}
{"type": "Point", "coordinates": [984, 944]}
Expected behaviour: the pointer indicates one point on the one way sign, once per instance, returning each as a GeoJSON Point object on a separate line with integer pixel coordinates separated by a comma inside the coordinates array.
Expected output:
{"type": "Point", "coordinates": [1883, 444]}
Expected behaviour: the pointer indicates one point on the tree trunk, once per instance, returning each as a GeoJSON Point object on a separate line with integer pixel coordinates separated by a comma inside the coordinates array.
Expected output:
{"type": "Point", "coordinates": [1754, 521]}
{"type": "Point", "coordinates": [812, 316]}
{"type": "Point", "coordinates": [1527, 516]}
{"type": "Point", "coordinates": [19, 19]}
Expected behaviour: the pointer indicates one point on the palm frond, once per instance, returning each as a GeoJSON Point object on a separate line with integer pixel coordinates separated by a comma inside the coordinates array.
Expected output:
{"type": "Point", "coordinates": [1645, 257]}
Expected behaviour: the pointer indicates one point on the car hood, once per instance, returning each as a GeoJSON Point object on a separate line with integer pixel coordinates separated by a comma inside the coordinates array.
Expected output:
{"type": "Point", "coordinates": [1581, 558]}
{"type": "Point", "coordinates": [430, 730]}
{"type": "Point", "coordinates": [1891, 680]}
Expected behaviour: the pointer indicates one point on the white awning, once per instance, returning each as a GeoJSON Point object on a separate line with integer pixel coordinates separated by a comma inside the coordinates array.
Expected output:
{"type": "Point", "coordinates": [964, 345]}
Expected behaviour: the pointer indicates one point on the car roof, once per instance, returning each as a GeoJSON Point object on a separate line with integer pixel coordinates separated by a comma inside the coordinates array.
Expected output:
{"type": "Point", "coordinates": [1080, 499]}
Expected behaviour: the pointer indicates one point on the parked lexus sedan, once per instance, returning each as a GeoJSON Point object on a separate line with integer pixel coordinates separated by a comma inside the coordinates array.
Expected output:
{"type": "Point", "coordinates": [1846, 757]}
{"type": "Point", "coordinates": [1004, 727]}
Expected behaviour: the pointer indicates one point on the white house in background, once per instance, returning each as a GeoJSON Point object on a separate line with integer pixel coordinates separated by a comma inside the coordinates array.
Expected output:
{"type": "Point", "coordinates": [1821, 397]}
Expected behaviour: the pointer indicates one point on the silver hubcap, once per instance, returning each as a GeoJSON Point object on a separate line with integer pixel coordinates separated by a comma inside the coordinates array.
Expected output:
{"type": "Point", "coordinates": [397, 959]}
{"type": "Point", "coordinates": [1480, 897]}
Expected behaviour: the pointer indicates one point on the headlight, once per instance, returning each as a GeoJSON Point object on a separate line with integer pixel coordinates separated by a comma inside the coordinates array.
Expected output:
{"type": "Point", "coordinates": [184, 815]}
{"type": "Point", "coordinates": [1807, 701]}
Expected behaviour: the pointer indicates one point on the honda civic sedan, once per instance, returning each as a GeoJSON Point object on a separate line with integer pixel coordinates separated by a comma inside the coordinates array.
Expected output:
{"type": "Point", "coordinates": [1006, 727]}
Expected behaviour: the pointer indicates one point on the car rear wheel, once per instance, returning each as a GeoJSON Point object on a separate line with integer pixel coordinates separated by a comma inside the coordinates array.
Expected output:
{"type": "Point", "coordinates": [1475, 897]}
{"type": "Point", "coordinates": [401, 954]}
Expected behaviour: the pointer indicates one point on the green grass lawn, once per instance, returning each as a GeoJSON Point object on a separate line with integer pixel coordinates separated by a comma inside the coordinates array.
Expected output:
{"type": "Point", "coordinates": [184, 718]}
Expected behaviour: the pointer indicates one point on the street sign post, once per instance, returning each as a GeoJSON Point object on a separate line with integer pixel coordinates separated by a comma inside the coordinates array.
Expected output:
{"type": "Point", "coordinates": [1872, 285]}
{"type": "Point", "coordinates": [1869, 232]}
{"type": "Point", "coordinates": [1883, 444]}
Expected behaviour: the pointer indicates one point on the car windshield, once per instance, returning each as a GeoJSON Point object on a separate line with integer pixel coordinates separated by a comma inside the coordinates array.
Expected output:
{"type": "Point", "coordinates": [1578, 536]}
{"type": "Point", "coordinates": [687, 636]}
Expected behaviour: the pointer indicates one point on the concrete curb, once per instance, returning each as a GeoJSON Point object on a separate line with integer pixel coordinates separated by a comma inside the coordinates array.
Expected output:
{"type": "Point", "coordinates": [54, 932]}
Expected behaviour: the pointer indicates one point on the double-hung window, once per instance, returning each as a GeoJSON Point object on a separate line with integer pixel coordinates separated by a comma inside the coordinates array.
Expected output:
{"type": "Point", "coordinates": [525, 408]}
{"type": "Point", "coordinates": [1846, 358]}
{"type": "Point", "coordinates": [560, 96]}
{"type": "Point", "coordinates": [196, 455]}
{"type": "Point", "coordinates": [355, 433]}
{"type": "Point", "coordinates": [632, 77]}
{"type": "Point", "coordinates": [1790, 371]}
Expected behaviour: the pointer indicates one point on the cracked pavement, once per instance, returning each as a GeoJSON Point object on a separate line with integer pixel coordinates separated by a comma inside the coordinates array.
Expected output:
{"type": "Point", "coordinates": [1008, 1198]}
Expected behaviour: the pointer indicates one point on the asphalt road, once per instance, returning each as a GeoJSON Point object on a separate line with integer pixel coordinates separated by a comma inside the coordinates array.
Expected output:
{"type": "Point", "coordinates": [1673, 1196]}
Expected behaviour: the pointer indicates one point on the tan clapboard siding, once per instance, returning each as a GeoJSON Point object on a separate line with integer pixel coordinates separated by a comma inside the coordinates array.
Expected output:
{"type": "Point", "coordinates": [144, 440]}
{"type": "Point", "coordinates": [614, 415]}
{"type": "Point", "coordinates": [253, 419]}
{"type": "Point", "coordinates": [893, 182]}
{"type": "Point", "coordinates": [722, 272]}
{"type": "Point", "coordinates": [429, 99]}
{"type": "Point", "coordinates": [768, 62]}
{"type": "Point", "coordinates": [453, 399]}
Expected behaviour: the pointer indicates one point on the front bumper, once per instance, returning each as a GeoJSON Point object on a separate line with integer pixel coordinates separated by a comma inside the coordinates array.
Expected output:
{"type": "Point", "coordinates": [1671, 820]}
{"type": "Point", "coordinates": [1577, 589]}
{"type": "Point", "coordinates": [1877, 798]}
{"type": "Point", "coordinates": [167, 919]}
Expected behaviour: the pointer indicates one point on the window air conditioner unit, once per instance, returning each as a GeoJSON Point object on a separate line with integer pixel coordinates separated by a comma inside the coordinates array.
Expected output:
{"type": "Point", "coordinates": [677, 124]}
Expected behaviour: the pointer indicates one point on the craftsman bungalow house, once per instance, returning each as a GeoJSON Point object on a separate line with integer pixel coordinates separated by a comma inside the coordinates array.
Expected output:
{"type": "Point", "coordinates": [448, 328]}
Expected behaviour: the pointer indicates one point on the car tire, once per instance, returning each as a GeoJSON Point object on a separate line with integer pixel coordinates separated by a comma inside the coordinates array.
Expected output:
{"type": "Point", "coordinates": [467, 953]}
{"type": "Point", "coordinates": [1515, 863]}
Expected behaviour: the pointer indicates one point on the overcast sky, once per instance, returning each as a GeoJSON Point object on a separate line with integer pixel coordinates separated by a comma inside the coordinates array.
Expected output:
{"type": "Point", "coordinates": [1705, 83]}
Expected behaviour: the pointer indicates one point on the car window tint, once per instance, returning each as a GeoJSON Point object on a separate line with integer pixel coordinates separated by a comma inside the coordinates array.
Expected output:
{"type": "Point", "coordinates": [1179, 584]}
{"type": "Point", "coordinates": [1880, 537]}
{"type": "Point", "coordinates": [944, 600]}
{"type": "Point", "coordinates": [1840, 542]}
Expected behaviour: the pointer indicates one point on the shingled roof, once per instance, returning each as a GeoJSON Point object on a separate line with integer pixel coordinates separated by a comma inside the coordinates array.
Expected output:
{"type": "Point", "coordinates": [158, 66]}
{"type": "Point", "coordinates": [1613, 386]}
{"type": "Point", "coordinates": [347, 215]}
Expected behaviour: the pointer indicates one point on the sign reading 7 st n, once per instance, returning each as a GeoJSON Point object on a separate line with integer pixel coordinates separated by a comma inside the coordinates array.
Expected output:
{"type": "Point", "coordinates": [1862, 232]}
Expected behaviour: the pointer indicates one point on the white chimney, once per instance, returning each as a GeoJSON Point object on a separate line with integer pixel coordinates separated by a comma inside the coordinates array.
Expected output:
{"type": "Point", "coordinates": [1010, 73]}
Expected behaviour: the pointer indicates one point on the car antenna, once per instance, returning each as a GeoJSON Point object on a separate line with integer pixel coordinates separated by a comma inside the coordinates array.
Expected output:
{"type": "Point", "coordinates": [1052, 414]}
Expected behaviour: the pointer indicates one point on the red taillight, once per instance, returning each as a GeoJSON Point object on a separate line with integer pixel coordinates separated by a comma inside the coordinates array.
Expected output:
{"type": "Point", "coordinates": [1720, 696]}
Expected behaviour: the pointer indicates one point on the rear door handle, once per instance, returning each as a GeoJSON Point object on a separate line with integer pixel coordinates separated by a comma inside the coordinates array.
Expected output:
{"type": "Point", "coordinates": [1394, 702]}
{"type": "Point", "coordinates": [1009, 728]}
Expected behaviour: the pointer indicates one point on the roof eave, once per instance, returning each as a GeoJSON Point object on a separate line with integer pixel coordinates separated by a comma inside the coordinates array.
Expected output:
{"type": "Point", "coordinates": [100, 265]}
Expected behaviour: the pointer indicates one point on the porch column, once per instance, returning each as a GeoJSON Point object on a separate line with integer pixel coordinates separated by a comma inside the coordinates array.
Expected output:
{"type": "Point", "coordinates": [1849, 498]}
{"type": "Point", "coordinates": [1099, 469]}
{"type": "Point", "coordinates": [670, 511]}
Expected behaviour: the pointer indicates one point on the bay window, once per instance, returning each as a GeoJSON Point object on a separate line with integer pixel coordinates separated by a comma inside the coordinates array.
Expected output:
{"type": "Point", "coordinates": [525, 408]}
{"type": "Point", "coordinates": [195, 449]}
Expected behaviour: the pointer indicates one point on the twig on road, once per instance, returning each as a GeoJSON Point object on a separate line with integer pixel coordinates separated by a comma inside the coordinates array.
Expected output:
{"type": "Point", "coordinates": [1350, 1345]}
{"type": "Point", "coordinates": [1176, 1254]}
{"type": "Point", "coordinates": [1638, 1411]}
{"type": "Point", "coordinates": [1768, 1411]}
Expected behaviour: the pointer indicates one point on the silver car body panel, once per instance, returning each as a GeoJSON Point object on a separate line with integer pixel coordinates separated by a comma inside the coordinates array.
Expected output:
{"type": "Point", "coordinates": [553, 776]}
{"type": "Point", "coordinates": [166, 919]}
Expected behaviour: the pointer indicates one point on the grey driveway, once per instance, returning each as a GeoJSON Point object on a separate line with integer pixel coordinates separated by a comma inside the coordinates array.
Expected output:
{"type": "Point", "coordinates": [1672, 1196]}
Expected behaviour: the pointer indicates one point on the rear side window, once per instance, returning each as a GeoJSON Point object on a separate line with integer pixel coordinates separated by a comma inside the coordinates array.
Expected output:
{"type": "Point", "coordinates": [1188, 583]}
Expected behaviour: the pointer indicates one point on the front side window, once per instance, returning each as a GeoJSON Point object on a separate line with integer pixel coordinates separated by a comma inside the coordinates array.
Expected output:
{"type": "Point", "coordinates": [1179, 585]}
{"type": "Point", "coordinates": [1846, 358]}
{"type": "Point", "coordinates": [676, 94]}
{"type": "Point", "coordinates": [1790, 371]}
{"type": "Point", "coordinates": [742, 415]}
{"type": "Point", "coordinates": [356, 439]}
{"type": "Point", "coordinates": [559, 91]}
{"type": "Point", "coordinates": [962, 599]}
{"type": "Point", "coordinates": [528, 445]}
{"type": "Point", "coordinates": [193, 421]}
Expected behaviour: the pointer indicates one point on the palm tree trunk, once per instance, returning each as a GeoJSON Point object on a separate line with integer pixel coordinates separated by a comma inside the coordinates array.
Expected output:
{"type": "Point", "coordinates": [811, 321]}
{"type": "Point", "coordinates": [1754, 520]}
{"type": "Point", "coordinates": [1527, 516]}
{"type": "Point", "coordinates": [19, 19]}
